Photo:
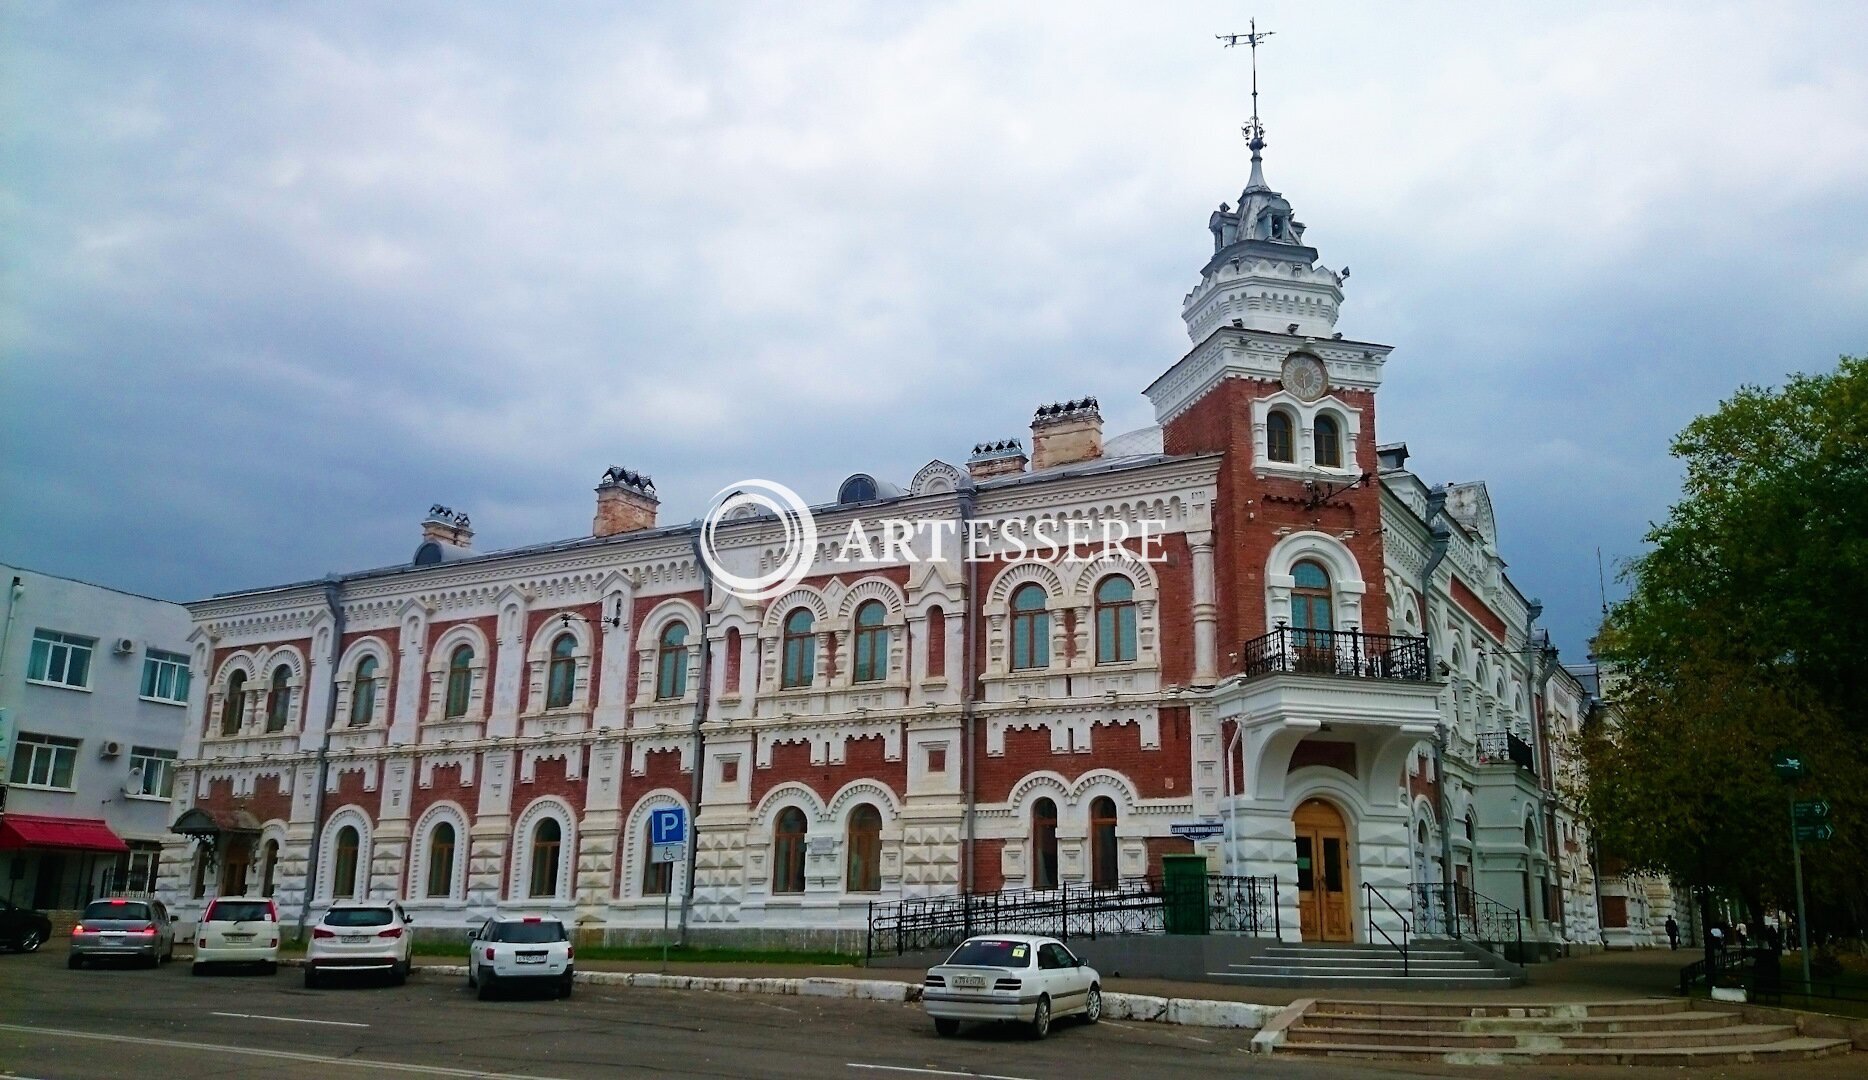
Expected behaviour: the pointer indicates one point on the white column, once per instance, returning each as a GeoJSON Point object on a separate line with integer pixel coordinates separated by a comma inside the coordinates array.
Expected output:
{"type": "Point", "coordinates": [1205, 609]}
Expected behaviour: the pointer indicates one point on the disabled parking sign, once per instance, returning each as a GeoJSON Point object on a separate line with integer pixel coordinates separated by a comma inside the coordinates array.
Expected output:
{"type": "Point", "coordinates": [668, 834]}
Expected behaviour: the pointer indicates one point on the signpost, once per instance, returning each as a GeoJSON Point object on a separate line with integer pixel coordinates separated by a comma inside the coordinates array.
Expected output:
{"type": "Point", "coordinates": [1198, 830]}
{"type": "Point", "coordinates": [1809, 820]}
{"type": "Point", "coordinates": [668, 843]}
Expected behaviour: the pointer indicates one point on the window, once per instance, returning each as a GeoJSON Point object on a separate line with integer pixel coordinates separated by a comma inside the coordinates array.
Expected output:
{"type": "Point", "coordinates": [872, 643]}
{"type": "Point", "coordinates": [788, 852]}
{"type": "Point", "coordinates": [800, 646]}
{"type": "Point", "coordinates": [1103, 843]}
{"type": "Point", "coordinates": [937, 643]}
{"type": "Point", "coordinates": [144, 863]}
{"type": "Point", "coordinates": [279, 698]}
{"type": "Point", "coordinates": [1310, 599]}
{"type": "Point", "coordinates": [460, 682]}
{"type": "Point", "coordinates": [363, 693]}
{"type": "Point", "coordinates": [658, 878]}
{"type": "Point", "coordinates": [561, 677]}
{"type": "Point", "coordinates": [1329, 443]}
{"type": "Point", "coordinates": [671, 665]}
{"type": "Point", "coordinates": [1278, 445]}
{"type": "Point", "coordinates": [60, 659]}
{"type": "Point", "coordinates": [1044, 844]}
{"type": "Point", "coordinates": [344, 864]}
{"type": "Point", "coordinates": [541, 932]}
{"type": "Point", "coordinates": [1115, 620]}
{"type": "Point", "coordinates": [233, 703]}
{"type": "Point", "coordinates": [152, 772]}
{"type": "Point", "coordinates": [865, 850]}
{"type": "Point", "coordinates": [1031, 629]}
{"type": "Point", "coordinates": [165, 676]}
{"type": "Point", "coordinates": [547, 841]}
{"type": "Point", "coordinates": [440, 861]}
{"type": "Point", "coordinates": [44, 761]}
{"type": "Point", "coordinates": [199, 887]}
{"type": "Point", "coordinates": [269, 868]}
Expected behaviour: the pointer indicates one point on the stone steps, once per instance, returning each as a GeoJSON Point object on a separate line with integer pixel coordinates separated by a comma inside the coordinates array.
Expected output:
{"type": "Point", "coordinates": [1656, 1032]}
{"type": "Point", "coordinates": [1366, 967]}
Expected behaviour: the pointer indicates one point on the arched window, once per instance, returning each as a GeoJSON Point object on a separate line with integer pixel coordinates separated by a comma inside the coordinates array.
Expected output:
{"type": "Point", "coordinates": [800, 650]}
{"type": "Point", "coordinates": [233, 703]}
{"type": "Point", "coordinates": [1469, 826]}
{"type": "Point", "coordinates": [671, 662]}
{"type": "Point", "coordinates": [1103, 842]}
{"type": "Point", "coordinates": [547, 842]}
{"type": "Point", "coordinates": [1530, 833]}
{"type": "Point", "coordinates": [1278, 445]}
{"type": "Point", "coordinates": [440, 861]}
{"type": "Point", "coordinates": [1031, 628]}
{"type": "Point", "coordinates": [344, 864]}
{"type": "Point", "coordinates": [269, 868]}
{"type": "Point", "coordinates": [1310, 603]}
{"type": "Point", "coordinates": [561, 676]}
{"type": "Point", "coordinates": [872, 643]}
{"type": "Point", "coordinates": [363, 693]}
{"type": "Point", "coordinates": [460, 682]}
{"type": "Point", "coordinates": [937, 643]}
{"type": "Point", "coordinates": [1329, 443]}
{"type": "Point", "coordinates": [658, 878]}
{"type": "Point", "coordinates": [279, 698]}
{"type": "Point", "coordinates": [865, 850]}
{"type": "Point", "coordinates": [788, 851]}
{"type": "Point", "coordinates": [1115, 620]}
{"type": "Point", "coordinates": [1044, 844]}
{"type": "Point", "coordinates": [730, 679]}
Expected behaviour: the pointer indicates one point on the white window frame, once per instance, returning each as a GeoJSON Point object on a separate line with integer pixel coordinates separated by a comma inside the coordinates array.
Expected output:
{"type": "Point", "coordinates": [60, 646]}
{"type": "Point", "coordinates": [29, 747]}
{"type": "Point", "coordinates": [164, 761]}
{"type": "Point", "coordinates": [180, 677]}
{"type": "Point", "coordinates": [143, 879]}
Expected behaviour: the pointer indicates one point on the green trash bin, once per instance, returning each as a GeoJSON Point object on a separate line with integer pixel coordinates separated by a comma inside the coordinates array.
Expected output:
{"type": "Point", "coordinates": [1183, 894]}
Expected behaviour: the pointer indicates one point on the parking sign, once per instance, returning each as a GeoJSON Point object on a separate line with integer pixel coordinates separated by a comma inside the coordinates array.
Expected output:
{"type": "Point", "coordinates": [668, 825]}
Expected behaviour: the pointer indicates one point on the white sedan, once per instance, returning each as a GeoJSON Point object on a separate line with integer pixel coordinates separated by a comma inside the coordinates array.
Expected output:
{"type": "Point", "coordinates": [1012, 977]}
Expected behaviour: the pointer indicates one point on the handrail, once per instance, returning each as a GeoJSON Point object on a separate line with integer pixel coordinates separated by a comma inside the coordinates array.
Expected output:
{"type": "Point", "coordinates": [1372, 894]}
{"type": "Point", "coordinates": [1464, 912]}
{"type": "Point", "coordinates": [1303, 651]}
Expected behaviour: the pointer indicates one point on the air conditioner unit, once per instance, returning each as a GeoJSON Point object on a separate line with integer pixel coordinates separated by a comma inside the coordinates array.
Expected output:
{"type": "Point", "coordinates": [125, 646]}
{"type": "Point", "coordinates": [109, 748]}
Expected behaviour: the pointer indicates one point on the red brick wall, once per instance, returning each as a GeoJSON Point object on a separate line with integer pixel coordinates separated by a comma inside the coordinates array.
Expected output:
{"type": "Point", "coordinates": [1162, 773]}
{"type": "Point", "coordinates": [350, 793]}
{"type": "Point", "coordinates": [862, 760]}
{"type": "Point", "coordinates": [1166, 845]}
{"type": "Point", "coordinates": [1481, 612]}
{"type": "Point", "coordinates": [1334, 755]}
{"type": "Point", "coordinates": [988, 869]}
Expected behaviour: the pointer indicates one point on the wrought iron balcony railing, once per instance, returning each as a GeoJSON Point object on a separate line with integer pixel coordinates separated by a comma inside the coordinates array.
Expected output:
{"type": "Point", "coordinates": [1291, 650]}
{"type": "Point", "coordinates": [1500, 747]}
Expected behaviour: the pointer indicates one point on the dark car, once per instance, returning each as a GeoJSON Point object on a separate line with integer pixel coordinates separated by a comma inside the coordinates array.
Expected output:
{"type": "Point", "coordinates": [23, 928]}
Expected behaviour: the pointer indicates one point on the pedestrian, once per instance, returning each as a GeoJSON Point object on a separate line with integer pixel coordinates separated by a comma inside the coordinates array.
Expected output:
{"type": "Point", "coordinates": [1738, 932]}
{"type": "Point", "coordinates": [1673, 933]}
{"type": "Point", "coordinates": [1718, 939]}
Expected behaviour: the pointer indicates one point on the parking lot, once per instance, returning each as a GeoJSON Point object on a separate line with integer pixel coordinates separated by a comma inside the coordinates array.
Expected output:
{"type": "Point", "coordinates": [116, 1022]}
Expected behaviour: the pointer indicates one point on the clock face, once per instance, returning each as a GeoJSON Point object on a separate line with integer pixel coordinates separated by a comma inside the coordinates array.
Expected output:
{"type": "Point", "coordinates": [1305, 377]}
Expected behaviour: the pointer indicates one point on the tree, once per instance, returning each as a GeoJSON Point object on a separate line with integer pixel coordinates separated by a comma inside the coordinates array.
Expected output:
{"type": "Point", "coordinates": [1743, 634]}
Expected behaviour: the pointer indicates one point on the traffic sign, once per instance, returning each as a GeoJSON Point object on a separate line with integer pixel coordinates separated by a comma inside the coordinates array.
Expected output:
{"type": "Point", "coordinates": [1811, 810]}
{"type": "Point", "coordinates": [668, 825]}
{"type": "Point", "coordinates": [668, 853]}
{"type": "Point", "coordinates": [1789, 766]}
{"type": "Point", "coordinates": [1825, 831]}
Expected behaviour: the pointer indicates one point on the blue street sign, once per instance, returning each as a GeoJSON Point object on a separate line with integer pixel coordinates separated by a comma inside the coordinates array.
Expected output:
{"type": "Point", "coordinates": [668, 825]}
{"type": "Point", "coordinates": [1198, 830]}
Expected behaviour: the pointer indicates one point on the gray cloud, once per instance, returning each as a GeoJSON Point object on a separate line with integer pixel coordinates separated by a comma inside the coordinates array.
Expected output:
{"type": "Point", "coordinates": [277, 279]}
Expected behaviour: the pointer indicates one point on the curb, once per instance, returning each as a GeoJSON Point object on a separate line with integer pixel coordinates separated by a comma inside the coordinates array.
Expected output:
{"type": "Point", "coordinates": [1186, 1012]}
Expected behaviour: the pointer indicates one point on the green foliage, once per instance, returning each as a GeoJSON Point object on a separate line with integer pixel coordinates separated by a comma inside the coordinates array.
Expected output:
{"type": "Point", "coordinates": [1744, 634]}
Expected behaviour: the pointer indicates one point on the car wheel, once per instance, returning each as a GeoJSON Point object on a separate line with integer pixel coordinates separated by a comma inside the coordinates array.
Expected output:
{"type": "Point", "coordinates": [564, 986]}
{"type": "Point", "coordinates": [30, 941]}
{"type": "Point", "coordinates": [311, 978]}
{"type": "Point", "coordinates": [74, 961]}
{"type": "Point", "coordinates": [946, 1027]}
{"type": "Point", "coordinates": [197, 968]}
{"type": "Point", "coordinates": [486, 988]}
{"type": "Point", "coordinates": [471, 981]}
{"type": "Point", "coordinates": [154, 961]}
{"type": "Point", "coordinates": [170, 955]}
{"type": "Point", "coordinates": [270, 967]}
{"type": "Point", "coordinates": [398, 975]}
{"type": "Point", "coordinates": [1093, 1005]}
{"type": "Point", "coordinates": [1041, 1019]}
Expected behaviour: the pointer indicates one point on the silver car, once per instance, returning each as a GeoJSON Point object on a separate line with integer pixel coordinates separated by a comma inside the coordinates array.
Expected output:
{"type": "Point", "coordinates": [122, 928]}
{"type": "Point", "coordinates": [1017, 978]}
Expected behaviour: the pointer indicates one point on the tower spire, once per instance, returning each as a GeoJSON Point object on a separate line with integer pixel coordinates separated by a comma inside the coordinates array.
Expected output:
{"type": "Point", "coordinates": [1254, 130]}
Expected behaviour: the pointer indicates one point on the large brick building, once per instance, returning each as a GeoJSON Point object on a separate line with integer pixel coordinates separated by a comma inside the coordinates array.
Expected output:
{"type": "Point", "coordinates": [473, 732]}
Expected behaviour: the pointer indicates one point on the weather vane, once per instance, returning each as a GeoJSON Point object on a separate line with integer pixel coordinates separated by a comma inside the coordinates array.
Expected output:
{"type": "Point", "coordinates": [1254, 131]}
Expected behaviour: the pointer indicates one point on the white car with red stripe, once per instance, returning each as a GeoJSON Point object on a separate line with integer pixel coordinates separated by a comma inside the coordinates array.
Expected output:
{"type": "Point", "coordinates": [510, 950]}
{"type": "Point", "coordinates": [362, 937]}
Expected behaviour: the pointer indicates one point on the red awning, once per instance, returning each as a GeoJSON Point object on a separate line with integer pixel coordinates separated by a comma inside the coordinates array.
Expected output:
{"type": "Point", "coordinates": [79, 834]}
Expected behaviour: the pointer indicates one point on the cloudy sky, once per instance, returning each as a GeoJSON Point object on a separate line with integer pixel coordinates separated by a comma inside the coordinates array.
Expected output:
{"type": "Point", "coordinates": [276, 277]}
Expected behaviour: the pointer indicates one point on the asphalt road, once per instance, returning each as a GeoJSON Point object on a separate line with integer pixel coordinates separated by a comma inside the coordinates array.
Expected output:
{"type": "Point", "coordinates": [109, 1024]}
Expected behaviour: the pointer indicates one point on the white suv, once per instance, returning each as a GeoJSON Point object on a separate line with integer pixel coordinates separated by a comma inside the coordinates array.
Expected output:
{"type": "Point", "coordinates": [526, 949]}
{"type": "Point", "coordinates": [238, 930]}
{"type": "Point", "coordinates": [360, 936]}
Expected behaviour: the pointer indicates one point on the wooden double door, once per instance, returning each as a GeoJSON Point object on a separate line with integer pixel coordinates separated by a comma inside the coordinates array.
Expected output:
{"type": "Point", "coordinates": [1322, 872]}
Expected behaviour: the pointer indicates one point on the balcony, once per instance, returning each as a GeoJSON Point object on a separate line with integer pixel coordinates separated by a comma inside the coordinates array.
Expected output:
{"type": "Point", "coordinates": [1502, 747]}
{"type": "Point", "coordinates": [1289, 650]}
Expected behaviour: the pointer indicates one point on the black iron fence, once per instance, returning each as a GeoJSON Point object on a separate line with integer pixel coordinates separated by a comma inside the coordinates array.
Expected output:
{"type": "Point", "coordinates": [1457, 911]}
{"type": "Point", "coordinates": [1502, 746]}
{"type": "Point", "coordinates": [1232, 904]}
{"type": "Point", "coordinates": [1292, 650]}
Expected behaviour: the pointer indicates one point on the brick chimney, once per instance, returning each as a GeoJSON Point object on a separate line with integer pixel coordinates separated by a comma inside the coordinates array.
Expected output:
{"type": "Point", "coordinates": [1001, 458]}
{"type": "Point", "coordinates": [444, 526]}
{"type": "Point", "coordinates": [1066, 432]}
{"type": "Point", "coordinates": [626, 503]}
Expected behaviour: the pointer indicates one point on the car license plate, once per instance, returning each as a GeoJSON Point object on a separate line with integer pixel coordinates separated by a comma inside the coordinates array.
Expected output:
{"type": "Point", "coordinates": [970, 982]}
{"type": "Point", "coordinates": [524, 959]}
{"type": "Point", "coordinates": [239, 937]}
{"type": "Point", "coordinates": [113, 935]}
{"type": "Point", "coordinates": [354, 939]}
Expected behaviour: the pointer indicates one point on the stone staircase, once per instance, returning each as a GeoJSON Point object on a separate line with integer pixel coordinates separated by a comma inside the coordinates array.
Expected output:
{"type": "Point", "coordinates": [1651, 1032]}
{"type": "Point", "coordinates": [1431, 965]}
